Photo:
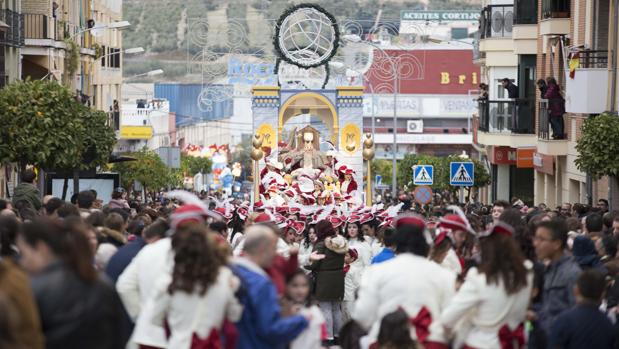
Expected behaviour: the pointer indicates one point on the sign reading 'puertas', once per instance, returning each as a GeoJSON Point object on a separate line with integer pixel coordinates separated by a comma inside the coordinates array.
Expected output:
{"type": "Point", "coordinates": [440, 15]}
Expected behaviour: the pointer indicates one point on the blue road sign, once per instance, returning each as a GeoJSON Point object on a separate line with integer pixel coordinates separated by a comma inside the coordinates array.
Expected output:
{"type": "Point", "coordinates": [378, 180]}
{"type": "Point", "coordinates": [423, 175]}
{"type": "Point", "coordinates": [461, 174]}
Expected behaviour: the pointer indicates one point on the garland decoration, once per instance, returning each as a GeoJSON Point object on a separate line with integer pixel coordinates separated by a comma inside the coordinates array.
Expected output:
{"type": "Point", "coordinates": [290, 11]}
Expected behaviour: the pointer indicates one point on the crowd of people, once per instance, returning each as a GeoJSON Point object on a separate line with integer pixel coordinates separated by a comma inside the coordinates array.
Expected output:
{"type": "Point", "coordinates": [189, 273]}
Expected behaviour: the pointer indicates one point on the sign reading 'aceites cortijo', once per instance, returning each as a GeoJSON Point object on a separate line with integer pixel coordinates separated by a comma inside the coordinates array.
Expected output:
{"type": "Point", "coordinates": [439, 15]}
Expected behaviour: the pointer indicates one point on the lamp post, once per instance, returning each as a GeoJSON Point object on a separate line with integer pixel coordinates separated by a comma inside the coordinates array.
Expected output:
{"type": "Point", "coordinates": [150, 73]}
{"type": "Point", "coordinates": [256, 155]}
{"type": "Point", "coordinates": [368, 155]}
{"type": "Point", "coordinates": [394, 68]}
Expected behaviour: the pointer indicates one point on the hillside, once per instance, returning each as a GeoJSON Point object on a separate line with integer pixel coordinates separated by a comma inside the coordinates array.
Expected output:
{"type": "Point", "coordinates": [175, 32]}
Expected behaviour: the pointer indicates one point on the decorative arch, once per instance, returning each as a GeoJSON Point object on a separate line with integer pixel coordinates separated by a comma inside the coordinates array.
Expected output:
{"type": "Point", "coordinates": [291, 106]}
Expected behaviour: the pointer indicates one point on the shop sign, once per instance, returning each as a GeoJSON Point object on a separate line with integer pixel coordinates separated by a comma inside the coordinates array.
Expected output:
{"type": "Point", "coordinates": [503, 156]}
{"type": "Point", "coordinates": [524, 157]}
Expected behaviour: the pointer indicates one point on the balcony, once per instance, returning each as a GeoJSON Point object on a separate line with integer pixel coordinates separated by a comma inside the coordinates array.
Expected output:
{"type": "Point", "coordinates": [555, 17]}
{"type": "Point", "coordinates": [42, 27]}
{"type": "Point", "coordinates": [547, 145]}
{"type": "Point", "coordinates": [14, 34]}
{"type": "Point", "coordinates": [506, 123]}
{"type": "Point", "coordinates": [585, 93]}
{"type": "Point", "coordinates": [497, 21]}
{"type": "Point", "coordinates": [525, 27]}
{"type": "Point", "coordinates": [525, 12]}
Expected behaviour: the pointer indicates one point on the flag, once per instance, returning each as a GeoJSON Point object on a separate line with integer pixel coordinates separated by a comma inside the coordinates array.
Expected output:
{"type": "Point", "coordinates": [574, 63]}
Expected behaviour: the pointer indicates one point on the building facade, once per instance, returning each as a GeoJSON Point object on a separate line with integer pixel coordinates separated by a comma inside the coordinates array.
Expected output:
{"type": "Point", "coordinates": [67, 41]}
{"type": "Point", "coordinates": [433, 96]}
{"type": "Point", "coordinates": [547, 38]}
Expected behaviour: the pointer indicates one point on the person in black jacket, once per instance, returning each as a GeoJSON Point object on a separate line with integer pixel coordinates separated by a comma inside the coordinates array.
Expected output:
{"type": "Point", "coordinates": [78, 309]}
{"type": "Point", "coordinates": [512, 89]}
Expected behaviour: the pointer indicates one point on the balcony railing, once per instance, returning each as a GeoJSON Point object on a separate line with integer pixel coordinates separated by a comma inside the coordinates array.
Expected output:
{"type": "Point", "coordinates": [543, 129]}
{"type": "Point", "coordinates": [36, 26]}
{"type": "Point", "coordinates": [44, 27]}
{"type": "Point", "coordinates": [506, 116]}
{"type": "Point", "coordinates": [593, 59]}
{"type": "Point", "coordinates": [555, 9]}
{"type": "Point", "coordinates": [526, 12]}
{"type": "Point", "coordinates": [14, 34]}
{"type": "Point", "coordinates": [497, 21]}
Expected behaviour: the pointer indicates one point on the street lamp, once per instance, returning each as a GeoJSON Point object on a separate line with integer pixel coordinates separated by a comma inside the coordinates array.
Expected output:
{"type": "Point", "coordinates": [150, 74]}
{"type": "Point", "coordinates": [120, 25]}
{"type": "Point", "coordinates": [353, 38]}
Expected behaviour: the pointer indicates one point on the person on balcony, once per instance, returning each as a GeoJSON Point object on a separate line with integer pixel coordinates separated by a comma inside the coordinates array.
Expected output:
{"type": "Point", "coordinates": [483, 92]}
{"type": "Point", "coordinates": [556, 107]}
{"type": "Point", "coordinates": [512, 89]}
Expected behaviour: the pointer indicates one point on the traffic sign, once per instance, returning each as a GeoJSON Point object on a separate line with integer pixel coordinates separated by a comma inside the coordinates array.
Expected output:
{"type": "Point", "coordinates": [461, 174]}
{"type": "Point", "coordinates": [423, 175]}
{"type": "Point", "coordinates": [423, 195]}
{"type": "Point", "coordinates": [378, 180]}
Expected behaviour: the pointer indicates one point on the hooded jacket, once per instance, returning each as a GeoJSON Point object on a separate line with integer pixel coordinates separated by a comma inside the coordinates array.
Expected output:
{"type": "Point", "coordinates": [28, 192]}
{"type": "Point", "coordinates": [329, 272]}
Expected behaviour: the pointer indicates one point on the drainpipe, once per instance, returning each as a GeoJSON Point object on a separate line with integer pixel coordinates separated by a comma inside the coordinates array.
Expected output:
{"type": "Point", "coordinates": [613, 91]}
{"type": "Point", "coordinates": [613, 48]}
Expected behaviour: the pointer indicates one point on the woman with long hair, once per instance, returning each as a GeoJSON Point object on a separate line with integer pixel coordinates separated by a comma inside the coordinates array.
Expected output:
{"type": "Point", "coordinates": [495, 295]}
{"type": "Point", "coordinates": [198, 297]}
{"type": "Point", "coordinates": [67, 288]}
{"type": "Point", "coordinates": [357, 240]}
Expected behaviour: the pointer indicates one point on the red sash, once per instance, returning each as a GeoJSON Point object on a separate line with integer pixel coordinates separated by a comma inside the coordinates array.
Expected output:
{"type": "Point", "coordinates": [511, 339]}
{"type": "Point", "coordinates": [422, 323]}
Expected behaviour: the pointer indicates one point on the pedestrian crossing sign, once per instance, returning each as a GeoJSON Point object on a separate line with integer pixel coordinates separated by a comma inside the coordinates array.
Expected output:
{"type": "Point", "coordinates": [423, 175]}
{"type": "Point", "coordinates": [461, 174]}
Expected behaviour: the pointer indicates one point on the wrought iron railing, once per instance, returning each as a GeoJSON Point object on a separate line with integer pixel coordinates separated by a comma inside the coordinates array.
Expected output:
{"type": "Point", "coordinates": [497, 21]}
{"type": "Point", "coordinates": [525, 12]}
{"type": "Point", "coordinates": [506, 116]}
{"type": "Point", "coordinates": [593, 59]}
{"type": "Point", "coordinates": [555, 9]}
{"type": "Point", "coordinates": [543, 130]}
{"type": "Point", "coordinates": [14, 34]}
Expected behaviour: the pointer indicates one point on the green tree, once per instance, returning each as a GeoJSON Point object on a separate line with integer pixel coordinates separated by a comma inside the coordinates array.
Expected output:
{"type": "Point", "coordinates": [41, 125]}
{"type": "Point", "coordinates": [598, 147]}
{"type": "Point", "coordinates": [382, 167]}
{"type": "Point", "coordinates": [441, 170]}
{"type": "Point", "coordinates": [148, 169]}
{"type": "Point", "coordinates": [193, 165]}
{"type": "Point", "coordinates": [98, 138]}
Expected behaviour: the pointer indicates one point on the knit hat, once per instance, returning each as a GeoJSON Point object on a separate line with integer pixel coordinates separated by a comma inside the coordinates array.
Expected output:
{"type": "Point", "coordinates": [187, 213]}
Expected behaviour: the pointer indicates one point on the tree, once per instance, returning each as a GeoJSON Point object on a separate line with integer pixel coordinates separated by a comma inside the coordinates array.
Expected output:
{"type": "Point", "coordinates": [41, 125]}
{"type": "Point", "coordinates": [441, 170]}
{"type": "Point", "coordinates": [382, 167]}
{"type": "Point", "coordinates": [97, 139]}
{"type": "Point", "coordinates": [598, 146]}
{"type": "Point", "coordinates": [148, 169]}
{"type": "Point", "coordinates": [192, 165]}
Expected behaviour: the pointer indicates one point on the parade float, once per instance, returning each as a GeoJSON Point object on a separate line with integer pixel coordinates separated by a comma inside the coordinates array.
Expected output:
{"type": "Point", "coordinates": [308, 147]}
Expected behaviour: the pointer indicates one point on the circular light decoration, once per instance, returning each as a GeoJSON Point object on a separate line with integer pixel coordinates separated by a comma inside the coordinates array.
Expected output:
{"type": "Point", "coordinates": [306, 35]}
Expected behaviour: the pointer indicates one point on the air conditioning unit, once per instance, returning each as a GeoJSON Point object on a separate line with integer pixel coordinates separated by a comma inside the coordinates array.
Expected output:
{"type": "Point", "coordinates": [414, 126]}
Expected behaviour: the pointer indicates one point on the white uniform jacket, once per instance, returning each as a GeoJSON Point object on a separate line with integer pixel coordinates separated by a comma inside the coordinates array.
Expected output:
{"type": "Point", "coordinates": [414, 283]}
{"type": "Point", "coordinates": [136, 284]}
{"type": "Point", "coordinates": [488, 308]}
{"type": "Point", "coordinates": [188, 313]}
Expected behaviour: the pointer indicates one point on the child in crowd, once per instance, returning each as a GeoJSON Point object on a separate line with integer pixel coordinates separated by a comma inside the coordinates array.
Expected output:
{"type": "Point", "coordinates": [297, 301]}
{"type": "Point", "coordinates": [395, 332]}
{"type": "Point", "coordinates": [351, 282]}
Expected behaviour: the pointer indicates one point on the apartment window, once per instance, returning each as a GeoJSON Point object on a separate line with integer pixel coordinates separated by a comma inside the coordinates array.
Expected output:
{"type": "Point", "coordinates": [104, 50]}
